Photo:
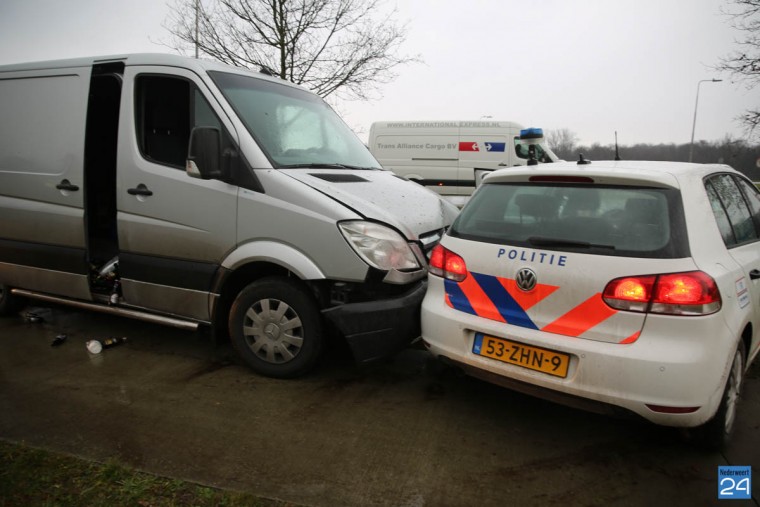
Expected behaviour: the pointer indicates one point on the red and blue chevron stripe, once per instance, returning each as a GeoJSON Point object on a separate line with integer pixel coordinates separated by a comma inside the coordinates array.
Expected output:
{"type": "Point", "coordinates": [499, 299]}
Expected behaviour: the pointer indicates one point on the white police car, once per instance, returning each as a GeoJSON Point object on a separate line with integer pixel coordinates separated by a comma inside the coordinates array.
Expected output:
{"type": "Point", "coordinates": [626, 286]}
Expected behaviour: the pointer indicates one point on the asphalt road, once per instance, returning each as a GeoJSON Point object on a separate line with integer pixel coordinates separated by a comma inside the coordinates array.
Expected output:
{"type": "Point", "coordinates": [403, 434]}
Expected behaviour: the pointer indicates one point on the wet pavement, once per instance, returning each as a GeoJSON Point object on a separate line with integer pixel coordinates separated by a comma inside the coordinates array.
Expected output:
{"type": "Point", "coordinates": [402, 433]}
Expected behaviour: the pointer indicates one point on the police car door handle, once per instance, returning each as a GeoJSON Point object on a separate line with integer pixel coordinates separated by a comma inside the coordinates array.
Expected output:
{"type": "Point", "coordinates": [754, 274]}
{"type": "Point", "coordinates": [66, 185]}
{"type": "Point", "coordinates": [140, 190]}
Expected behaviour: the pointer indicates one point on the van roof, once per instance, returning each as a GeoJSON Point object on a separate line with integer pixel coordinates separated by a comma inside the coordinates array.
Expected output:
{"type": "Point", "coordinates": [200, 66]}
{"type": "Point", "coordinates": [445, 124]}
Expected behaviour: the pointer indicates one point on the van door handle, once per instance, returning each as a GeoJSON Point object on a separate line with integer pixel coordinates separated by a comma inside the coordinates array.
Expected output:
{"type": "Point", "coordinates": [66, 185]}
{"type": "Point", "coordinates": [140, 190]}
{"type": "Point", "coordinates": [754, 274]}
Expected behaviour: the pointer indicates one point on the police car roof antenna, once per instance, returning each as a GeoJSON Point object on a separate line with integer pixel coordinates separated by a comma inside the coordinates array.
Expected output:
{"type": "Point", "coordinates": [617, 152]}
{"type": "Point", "coordinates": [583, 161]}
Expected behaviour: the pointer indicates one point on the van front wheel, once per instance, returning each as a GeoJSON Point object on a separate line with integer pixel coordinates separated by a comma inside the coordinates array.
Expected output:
{"type": "Point", "coordinates": [275, 327]}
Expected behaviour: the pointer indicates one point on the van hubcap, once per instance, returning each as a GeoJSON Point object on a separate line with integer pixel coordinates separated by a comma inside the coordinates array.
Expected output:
{"type": "Point", "coordinates": [273, 331]}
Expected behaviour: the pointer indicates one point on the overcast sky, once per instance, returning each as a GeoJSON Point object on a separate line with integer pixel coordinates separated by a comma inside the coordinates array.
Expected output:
{"type": "Point", "coordinates": [591, 66]}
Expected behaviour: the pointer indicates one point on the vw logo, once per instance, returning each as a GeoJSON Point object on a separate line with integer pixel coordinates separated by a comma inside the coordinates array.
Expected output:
{"type": "Point", "coordinates": [526, 279]}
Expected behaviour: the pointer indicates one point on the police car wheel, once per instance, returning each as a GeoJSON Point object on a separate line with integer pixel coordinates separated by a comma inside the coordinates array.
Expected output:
{"type": "Point", "coordinates": [716, 433]}
{"type": "Point", "coordinates": [9, 304]}
{"type": "Point", "coordinates": [275, 327]}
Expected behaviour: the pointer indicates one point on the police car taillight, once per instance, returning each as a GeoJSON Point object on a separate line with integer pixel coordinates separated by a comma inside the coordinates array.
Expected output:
{"type": "Point", "coordinates": [690, 293]}
{"type": "Point", "coordinates": [447, 264]}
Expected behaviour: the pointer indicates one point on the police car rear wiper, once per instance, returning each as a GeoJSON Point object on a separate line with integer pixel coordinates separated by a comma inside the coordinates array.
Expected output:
{"type": "Point", "coordinates": [538, 241]}
{"type": "Point", "coordinates": [317, 165]}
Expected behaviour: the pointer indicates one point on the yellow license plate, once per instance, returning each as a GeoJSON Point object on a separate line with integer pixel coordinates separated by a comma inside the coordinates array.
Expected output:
{"type": "Point", "coordinates": [534, 358]}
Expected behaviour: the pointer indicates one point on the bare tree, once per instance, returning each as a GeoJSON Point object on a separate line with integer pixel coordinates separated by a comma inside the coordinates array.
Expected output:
{"type": "Point", "coordinates": [342, 47]}
{"type": "Point", "coordinates": [562, 142]}
{"type": "Point", "coordinates": [744, 64]}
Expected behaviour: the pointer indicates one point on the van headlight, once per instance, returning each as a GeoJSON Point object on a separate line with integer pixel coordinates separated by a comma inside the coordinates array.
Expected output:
{"type": "Point", "coordinates": [381, 247]}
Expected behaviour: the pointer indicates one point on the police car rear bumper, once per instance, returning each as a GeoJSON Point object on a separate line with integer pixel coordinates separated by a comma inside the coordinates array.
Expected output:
{"type": "Point", "coordinates": [664, 367]}
{"type": "Point", "coordinates": [561, 398]}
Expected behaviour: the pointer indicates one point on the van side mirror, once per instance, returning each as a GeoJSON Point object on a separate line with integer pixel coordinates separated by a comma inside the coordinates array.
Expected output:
{"type": "Point", "coordinates": [204, 158]}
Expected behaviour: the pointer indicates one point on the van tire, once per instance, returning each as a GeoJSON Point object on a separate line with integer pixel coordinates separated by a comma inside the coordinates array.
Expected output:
{"type": "Point", "coordinates": [9, 304]}
{"type": "Point", "coordinates": [275, 327]}
{"type": "Point", "coordinates": [716, 433]}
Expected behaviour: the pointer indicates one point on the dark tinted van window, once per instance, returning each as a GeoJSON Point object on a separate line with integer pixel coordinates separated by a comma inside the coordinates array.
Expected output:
{"type": "Point", "coordinates": [605, 220]}
{"type": "Point", "coordinates": [168, 109]}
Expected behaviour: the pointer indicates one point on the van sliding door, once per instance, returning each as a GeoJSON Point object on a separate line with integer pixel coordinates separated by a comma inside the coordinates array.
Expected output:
{"type": "Point", "coordinates": [42, 238]}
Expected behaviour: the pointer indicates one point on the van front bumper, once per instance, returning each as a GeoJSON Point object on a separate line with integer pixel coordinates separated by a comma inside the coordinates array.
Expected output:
{"type": "Point", "coordinates": [378, 329]}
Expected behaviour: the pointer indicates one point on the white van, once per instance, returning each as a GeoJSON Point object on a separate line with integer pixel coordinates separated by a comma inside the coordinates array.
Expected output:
{"type": "Point", "coordinates": [452, 157]}
{"type": "Point", "coordinates": [192, 193]}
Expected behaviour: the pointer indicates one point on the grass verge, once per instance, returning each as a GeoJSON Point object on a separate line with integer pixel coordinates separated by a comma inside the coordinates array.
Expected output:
{"type": "Point", "coordinates": [41, 478]}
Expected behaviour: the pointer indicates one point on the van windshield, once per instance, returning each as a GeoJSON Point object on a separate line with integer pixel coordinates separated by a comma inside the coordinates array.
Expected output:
{"type": "Point", "coordinates": [295, 128]}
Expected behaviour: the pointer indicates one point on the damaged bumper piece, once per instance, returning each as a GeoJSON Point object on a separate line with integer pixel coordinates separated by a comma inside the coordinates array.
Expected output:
{"type": "Point", "coordinates": [377, 329]}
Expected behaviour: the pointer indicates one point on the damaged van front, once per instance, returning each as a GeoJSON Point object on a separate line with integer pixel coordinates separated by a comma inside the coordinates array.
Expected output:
{"type": "Point", "coordinates": [215, 196]}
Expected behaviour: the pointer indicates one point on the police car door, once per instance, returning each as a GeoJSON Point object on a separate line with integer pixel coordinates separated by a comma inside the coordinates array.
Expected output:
{"type": "Point", "coordinates": [736, 206]}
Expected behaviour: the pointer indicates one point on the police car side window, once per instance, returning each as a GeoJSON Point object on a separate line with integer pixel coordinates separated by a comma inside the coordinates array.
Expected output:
{"type": "Point", "coordinates": [728, 194]}
{"type": "Point", "coordinates": [720, 216]}
{"type": "Point", "coordinates": [753, 199]}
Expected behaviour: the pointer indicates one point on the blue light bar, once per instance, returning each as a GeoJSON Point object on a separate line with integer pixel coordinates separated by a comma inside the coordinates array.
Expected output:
{"type": "Point", "coordinates": [531, 133]}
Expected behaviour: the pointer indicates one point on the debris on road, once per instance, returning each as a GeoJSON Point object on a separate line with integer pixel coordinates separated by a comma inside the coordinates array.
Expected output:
{"type": "Point", "coordinates": [58, 340]}
{"type": "Point", "coordinates": [96, 346]}
{"type": "Point", "coordinates": [33, 318]}
{"type": "Point", "coordinates": [112, 342]}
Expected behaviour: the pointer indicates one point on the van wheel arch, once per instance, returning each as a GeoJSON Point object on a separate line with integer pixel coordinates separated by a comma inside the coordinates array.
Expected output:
{"type": "Point", "coordinates": [237, 280]}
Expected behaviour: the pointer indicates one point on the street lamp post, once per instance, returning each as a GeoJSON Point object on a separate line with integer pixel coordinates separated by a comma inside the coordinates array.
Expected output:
{"type": "Point", "coordinates": [197, 8]}
{"type": "Point", "coordinates": [694, 124]}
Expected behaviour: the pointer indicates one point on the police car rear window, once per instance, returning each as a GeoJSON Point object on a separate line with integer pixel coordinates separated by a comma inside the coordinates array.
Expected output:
{"type": "Point", "coordinates": [604, 220]}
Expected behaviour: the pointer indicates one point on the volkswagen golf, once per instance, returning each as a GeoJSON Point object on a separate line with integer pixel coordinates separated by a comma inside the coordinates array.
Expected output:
{"type": "Point", "coordinates": [626, 287]}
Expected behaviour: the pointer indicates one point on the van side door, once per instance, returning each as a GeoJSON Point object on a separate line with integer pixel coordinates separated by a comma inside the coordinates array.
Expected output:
{"type": "Point", "coordinates": [42, 137]}
{"type": "Point", "coordinates": [174, 230]}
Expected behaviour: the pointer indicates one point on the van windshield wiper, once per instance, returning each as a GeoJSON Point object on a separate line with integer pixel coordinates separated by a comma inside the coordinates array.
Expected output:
{"type": "Point", "coordinates": [318, 165]}
{"type": "Point", "coordinates": [538, 241]}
